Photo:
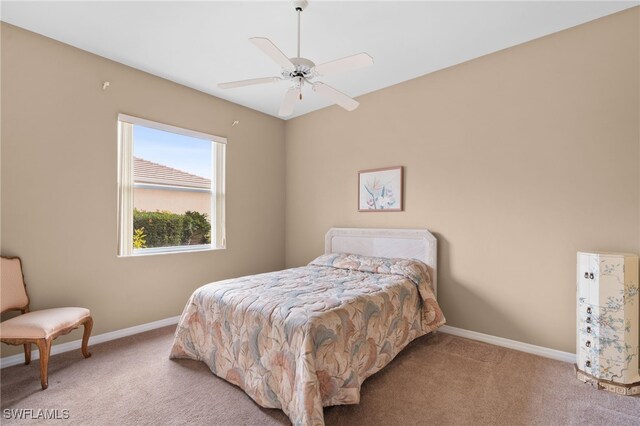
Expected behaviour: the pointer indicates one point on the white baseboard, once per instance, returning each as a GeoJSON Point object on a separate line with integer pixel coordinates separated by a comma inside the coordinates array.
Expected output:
{"type": "Point", "coordinates": [511, 344]}
{"type": "Point", "coordinates": [8, 361]}
{"type": "Point", "coordinates": [473, 335]}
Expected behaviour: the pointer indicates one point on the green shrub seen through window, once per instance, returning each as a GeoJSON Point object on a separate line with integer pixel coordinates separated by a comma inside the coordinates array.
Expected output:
{"type": "Point", "coordinates": [167, 229]}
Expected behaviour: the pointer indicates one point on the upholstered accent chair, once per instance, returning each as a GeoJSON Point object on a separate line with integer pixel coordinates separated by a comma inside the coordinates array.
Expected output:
{"type": "Point", "coordinates": [38, 327]}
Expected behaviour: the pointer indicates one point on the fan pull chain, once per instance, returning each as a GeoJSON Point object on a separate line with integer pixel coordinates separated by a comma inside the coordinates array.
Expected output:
{"type": "Point", "coordinates": [300, 84]}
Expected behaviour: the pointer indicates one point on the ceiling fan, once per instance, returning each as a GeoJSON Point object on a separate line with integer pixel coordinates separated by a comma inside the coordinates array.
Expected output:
{"type": "Point", "coordinates": [300, 70]}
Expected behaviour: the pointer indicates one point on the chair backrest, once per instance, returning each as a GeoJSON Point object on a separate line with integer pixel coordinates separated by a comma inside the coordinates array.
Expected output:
{"type": "Point", "coordinates": [13, 293]}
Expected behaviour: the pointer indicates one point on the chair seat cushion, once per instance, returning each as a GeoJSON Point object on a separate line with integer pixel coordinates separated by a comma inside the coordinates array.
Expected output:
{"type": "Point", "coordinates": [42, 324]}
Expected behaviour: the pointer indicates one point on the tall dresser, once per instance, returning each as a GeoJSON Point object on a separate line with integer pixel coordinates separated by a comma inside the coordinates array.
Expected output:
{"type": "Point", "coordinates": [608, 330]}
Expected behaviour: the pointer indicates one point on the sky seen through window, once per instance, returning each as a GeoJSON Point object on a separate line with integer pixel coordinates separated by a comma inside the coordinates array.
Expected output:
{"type": "Point", "coordinates": [191, 155]}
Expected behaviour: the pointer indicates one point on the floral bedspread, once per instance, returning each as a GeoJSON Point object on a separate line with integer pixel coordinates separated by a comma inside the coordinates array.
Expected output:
{"type": "Point", "coordinates": [307, 337]}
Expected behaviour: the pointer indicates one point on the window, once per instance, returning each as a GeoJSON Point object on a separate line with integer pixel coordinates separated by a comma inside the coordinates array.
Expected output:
{"type": "Point", "coordinates": [170, 188]}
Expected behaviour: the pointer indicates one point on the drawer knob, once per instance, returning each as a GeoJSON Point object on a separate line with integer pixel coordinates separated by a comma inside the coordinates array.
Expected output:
{"type": "Point", "coordinates": [591, 275]}
{"type": "Point", "coordinates": [586, 275]}
{"type": "Point", "coordinates": [588, 310]}
{"type": "Point", "coordinates": [589, 320]}
{"type": "Point", "coordinates": [588, 363]}
{"type": "Point", "coordinates": [588, 343]}
{"type": "Point", "coordinates": [589, 330]}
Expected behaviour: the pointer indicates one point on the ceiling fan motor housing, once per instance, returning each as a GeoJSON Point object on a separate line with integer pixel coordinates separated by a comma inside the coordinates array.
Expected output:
{"type": "Point", "coordinates": [304, 69]}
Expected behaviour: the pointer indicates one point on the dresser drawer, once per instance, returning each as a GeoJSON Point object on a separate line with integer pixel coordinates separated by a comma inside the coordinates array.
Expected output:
{"type": "Point", "coordinates": [588, 362]}
{"type": "Point", "coordinates": [588, 278]}
{"type": "Point", "coordinates": [599, 366]}
{"type": "Point", "coordinates": [589, 344]}
{"type": "Point", "coordinates": [587, 309]}
{"type": "Point", "coordinates": [588, 332]}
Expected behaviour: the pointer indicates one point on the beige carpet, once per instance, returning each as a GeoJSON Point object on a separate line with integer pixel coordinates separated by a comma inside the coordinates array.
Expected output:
{"type": "Point", "coordinates": [439, 379]}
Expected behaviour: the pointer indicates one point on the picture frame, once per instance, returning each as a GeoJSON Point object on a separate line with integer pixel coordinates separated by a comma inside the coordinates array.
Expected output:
{"type": "Point", "coordinates": [381, 190]}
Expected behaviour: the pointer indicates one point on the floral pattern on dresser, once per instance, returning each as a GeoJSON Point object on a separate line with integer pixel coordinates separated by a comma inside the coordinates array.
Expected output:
{"type": "Point", "coordinates": [304, 338]}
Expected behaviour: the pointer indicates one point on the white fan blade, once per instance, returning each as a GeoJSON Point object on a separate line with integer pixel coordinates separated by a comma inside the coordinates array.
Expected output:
{"type": "Point", "coordinates": [249, 82]}
{"type": "Point", "coordinates": [349, 63]}
{"type": "Point", "coordinates": [273, 52]}
{"type": "Point", "coordinates": [337, 97]}
{"type": "Point", "coordinates": [289, 101]}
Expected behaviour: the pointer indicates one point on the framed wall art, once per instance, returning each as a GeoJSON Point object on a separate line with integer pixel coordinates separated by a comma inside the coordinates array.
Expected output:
{"type": "Point", "coordinates": [380, 190]}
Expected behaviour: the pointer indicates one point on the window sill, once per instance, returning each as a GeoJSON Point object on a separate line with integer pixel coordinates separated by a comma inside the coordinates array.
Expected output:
{"type": "Point", "coordinates": [172, 250]}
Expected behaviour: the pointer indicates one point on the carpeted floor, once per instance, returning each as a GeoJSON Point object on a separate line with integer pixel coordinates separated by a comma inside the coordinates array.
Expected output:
{"type": "Point", "coordinates": [439, 379]}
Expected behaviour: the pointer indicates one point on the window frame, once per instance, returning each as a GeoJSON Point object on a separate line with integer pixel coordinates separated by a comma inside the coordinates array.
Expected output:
{"type": "Point", "coordinates": [127, 185]}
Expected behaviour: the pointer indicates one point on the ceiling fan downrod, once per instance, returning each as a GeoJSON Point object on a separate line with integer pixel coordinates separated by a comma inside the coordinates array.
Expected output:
{"type": "Point", "coordinates": [299, 5]}
{"type": "Point", "coordinates": [299, 10]}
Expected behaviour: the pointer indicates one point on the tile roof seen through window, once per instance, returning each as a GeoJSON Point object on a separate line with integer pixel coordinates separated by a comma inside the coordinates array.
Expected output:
{"type": "Point", "coordinates": [145, 171]}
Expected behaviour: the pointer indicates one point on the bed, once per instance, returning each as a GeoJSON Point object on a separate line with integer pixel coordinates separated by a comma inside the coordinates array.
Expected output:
{"type": "Point", "coordinates": [305, 338]}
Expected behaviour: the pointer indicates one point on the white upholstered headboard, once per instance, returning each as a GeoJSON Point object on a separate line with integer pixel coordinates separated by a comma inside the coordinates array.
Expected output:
{"type": "Point", "coordinates": [406, 243]}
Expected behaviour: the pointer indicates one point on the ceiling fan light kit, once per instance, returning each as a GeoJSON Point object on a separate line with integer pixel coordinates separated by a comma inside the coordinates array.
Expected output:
{"type": "Point", "coordinates": [298, 71]}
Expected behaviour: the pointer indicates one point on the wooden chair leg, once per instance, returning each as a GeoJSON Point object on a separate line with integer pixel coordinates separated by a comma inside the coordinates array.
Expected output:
{"type": "Point", "coordinates": [27, 353]}
{"type": "Point", "coordinates": [88, 325]}
{"type": "Point", "coordinates": [44, 346]}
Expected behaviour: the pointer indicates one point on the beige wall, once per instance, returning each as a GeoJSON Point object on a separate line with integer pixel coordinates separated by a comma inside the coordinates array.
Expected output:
{"type": "Point", "coordinates": [515, 161]}
{"type": "Point", "coordinates": [152, 200]}
{"type": "Point", "coordinates": [59, 183]}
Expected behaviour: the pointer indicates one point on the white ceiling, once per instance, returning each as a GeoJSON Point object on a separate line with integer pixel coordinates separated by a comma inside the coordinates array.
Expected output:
{"type": "Point", "coordinates": [200, 44]}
